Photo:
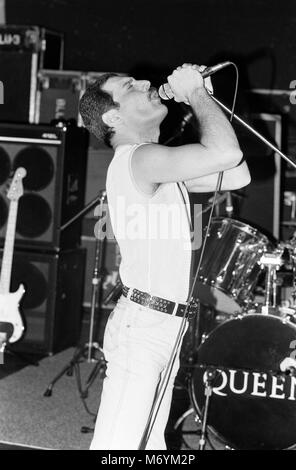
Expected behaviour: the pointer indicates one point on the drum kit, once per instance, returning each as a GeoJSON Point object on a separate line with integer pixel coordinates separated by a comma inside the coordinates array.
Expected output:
{"type": "Point", "coordinates": [242, 374]}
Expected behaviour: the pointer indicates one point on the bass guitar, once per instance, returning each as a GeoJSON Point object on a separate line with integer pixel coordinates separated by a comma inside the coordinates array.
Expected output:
{"type": "Point", "coordinates": [11, 323]}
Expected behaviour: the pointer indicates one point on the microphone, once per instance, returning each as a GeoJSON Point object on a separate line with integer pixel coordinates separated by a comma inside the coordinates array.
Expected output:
{"type": "Point", "coordinates": [165, 92]}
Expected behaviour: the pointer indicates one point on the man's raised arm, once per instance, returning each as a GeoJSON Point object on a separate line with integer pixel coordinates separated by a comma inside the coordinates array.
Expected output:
{"type": "Point", "coordinates": [218, 149]}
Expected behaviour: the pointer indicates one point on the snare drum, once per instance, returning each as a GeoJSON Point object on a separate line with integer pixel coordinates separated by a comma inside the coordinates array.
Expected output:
{"type": "Point", "coordinates": [230, 265]}
{"type": "Point", "coordinates": [253, 403]}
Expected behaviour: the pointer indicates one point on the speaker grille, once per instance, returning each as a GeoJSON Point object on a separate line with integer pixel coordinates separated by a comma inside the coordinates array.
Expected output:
{"type": "Point", "coordinates": [35, 216]}
{"type": "Point", "coordinates": [34, 280]}
{"type": "Point", "coordinates": [39, 166]}
{"type": "Point", "coordinates": [36, 208]}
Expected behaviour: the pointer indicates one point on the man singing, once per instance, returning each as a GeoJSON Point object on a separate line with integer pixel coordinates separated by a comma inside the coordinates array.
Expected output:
{"type": "Point", "coordinates": [146, 183]}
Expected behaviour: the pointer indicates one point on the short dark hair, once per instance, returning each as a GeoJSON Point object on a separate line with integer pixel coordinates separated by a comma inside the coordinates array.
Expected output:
{"type": "Point", "coordinates": [93, 104]}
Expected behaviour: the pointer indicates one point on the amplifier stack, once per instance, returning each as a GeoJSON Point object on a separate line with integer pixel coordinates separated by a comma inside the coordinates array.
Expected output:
{"type": "Point", "coordinates": [48, 261]}
{"type": "Point", "coordinates": [42, 131]}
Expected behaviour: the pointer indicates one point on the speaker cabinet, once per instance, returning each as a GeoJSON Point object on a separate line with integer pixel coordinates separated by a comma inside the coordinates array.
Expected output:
{"type": "Point", "coordinates": [54, 187]}
{"type": "Point", "coordinates": [51, 305]}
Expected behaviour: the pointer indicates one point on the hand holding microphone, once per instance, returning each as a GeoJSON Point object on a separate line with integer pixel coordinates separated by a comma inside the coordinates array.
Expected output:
{"type": "Point", "coordinates": [182, 83]}
{"type": "Point", "coordinates": [186, 79]}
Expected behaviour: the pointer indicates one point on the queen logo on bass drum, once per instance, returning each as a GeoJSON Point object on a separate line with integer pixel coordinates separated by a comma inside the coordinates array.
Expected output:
{"type": "Point", "coordinates": [254, 384]}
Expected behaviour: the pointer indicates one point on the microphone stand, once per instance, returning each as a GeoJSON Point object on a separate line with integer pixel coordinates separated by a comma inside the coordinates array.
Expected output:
{"type": "Point", "coordinates": [89, 350]}
{"type": "Point", "coordinates": [256, 133]}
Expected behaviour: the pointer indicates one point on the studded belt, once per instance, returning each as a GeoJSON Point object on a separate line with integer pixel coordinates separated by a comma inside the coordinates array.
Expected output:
{"type": "Point", "coordinates": [160, 304]}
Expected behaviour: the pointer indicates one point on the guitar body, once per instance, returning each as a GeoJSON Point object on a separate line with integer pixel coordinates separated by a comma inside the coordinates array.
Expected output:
{"type": "Point", "coordinates": [9, 312]}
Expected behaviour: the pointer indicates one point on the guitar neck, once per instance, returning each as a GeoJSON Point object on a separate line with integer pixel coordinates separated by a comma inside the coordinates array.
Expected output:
{"type": "Point", "coordinates": [5, 276]}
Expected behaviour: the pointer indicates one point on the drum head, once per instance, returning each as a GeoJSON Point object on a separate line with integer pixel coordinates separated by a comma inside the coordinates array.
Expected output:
{"type": "Point", "coordinates": [253, 405]}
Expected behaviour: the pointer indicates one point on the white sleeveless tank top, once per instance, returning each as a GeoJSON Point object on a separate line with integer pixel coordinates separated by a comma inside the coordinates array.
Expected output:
{"type": "Point", "coordinates": [152, 231]}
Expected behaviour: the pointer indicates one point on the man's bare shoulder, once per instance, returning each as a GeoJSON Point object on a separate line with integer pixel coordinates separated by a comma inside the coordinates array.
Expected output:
{"type": "Point", "coordinates": [150, 149]}
{"type": "Point", "coordinates": [142, 159]}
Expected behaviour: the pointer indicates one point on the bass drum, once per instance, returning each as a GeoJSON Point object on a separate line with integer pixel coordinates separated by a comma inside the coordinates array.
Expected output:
{"type": "Point", "coordinates": [253, 404]}
{"type": "Point", "coordinates": [230, 267]}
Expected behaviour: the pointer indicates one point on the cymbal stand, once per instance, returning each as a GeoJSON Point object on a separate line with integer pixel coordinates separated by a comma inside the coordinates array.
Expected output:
{"type": "Point", "coordinates": [91, 351]}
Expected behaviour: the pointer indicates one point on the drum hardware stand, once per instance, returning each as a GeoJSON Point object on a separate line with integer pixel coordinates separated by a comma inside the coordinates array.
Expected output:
{"type": "Point", "coordinates": [181, 420]}
{"type": "Point", "coordinates": [210, 376]}
{"type": "Point", "coordinates": [6, 331]}
{"type": "Point", "coordinates": [3, 341]}
{"type": "Point", "coordinates": [290, 246]}
{"type": "Point", "coordinates": [271, 261]}
{"type": "Point", "coordinates": [292, 249]}
{"type": "Point", "coordinates": [229, 204]}
{"type": "Point", "coordinates": [290, 200]}
{"type": "Point", "coordinates": [216, 200]}
{"type": "Point", "coordinates": [91, 349]}
{"type": "Point", "coordinates": [294, 277]}
{"type": "Point", "coordinates": [221, 198]}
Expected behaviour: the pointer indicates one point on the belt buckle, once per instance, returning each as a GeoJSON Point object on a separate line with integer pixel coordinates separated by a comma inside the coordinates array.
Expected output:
{"type": "Point", "coordinates": [193, 308]}
{"type": "Point", "coordinates": [146, 300]}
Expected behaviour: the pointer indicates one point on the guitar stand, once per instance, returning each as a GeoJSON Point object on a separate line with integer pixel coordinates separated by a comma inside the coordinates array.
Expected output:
{"type": "Point", "coordinates": [91, 351]}
{"type": "Point", "coordinates": [3, 342]}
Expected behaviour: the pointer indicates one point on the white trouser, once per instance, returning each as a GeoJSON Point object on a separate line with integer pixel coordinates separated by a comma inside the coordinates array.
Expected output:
{"type": "Point", "coordinates": [138, 342]}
